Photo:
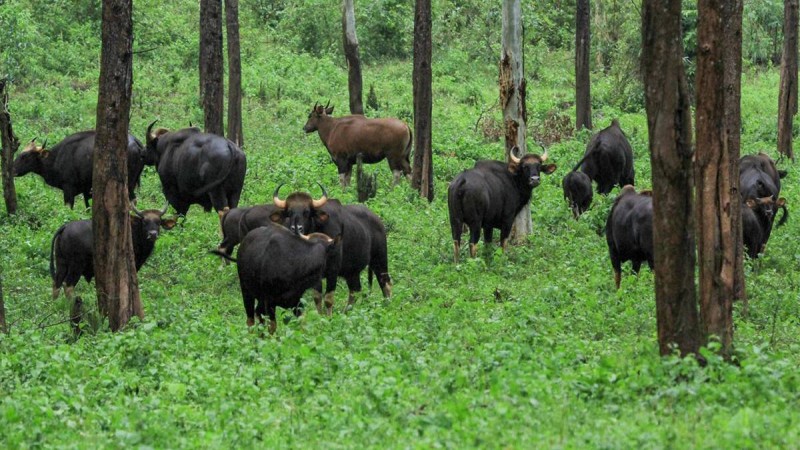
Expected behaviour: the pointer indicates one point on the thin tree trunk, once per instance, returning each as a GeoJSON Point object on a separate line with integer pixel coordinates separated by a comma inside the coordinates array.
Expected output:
{"type": "Point", "coordinates": [787, 96]}
{"type": "Point", "coordinates": [669, 126]}
{"type": "Point", "coordinates": [211, 87]}
{"type": "Point", "coordinates": [512, 100]}
{"type": "Point", "coordinates": [717, 187]}
{"type": "Point", "coordinates": [422, 172]}
{"type": "Point", "coordinates": [583, 96]}
{"type": "Point", "coordinates": [10, 146]}
{"type": "Point", "coordinates": [234, 73]}
{"type": "Point", "coordinates": [114, 268]}
{"type": "Point", "coordinates": [3, 328]}
{"type": "Point", "coordinates": [351, 55]}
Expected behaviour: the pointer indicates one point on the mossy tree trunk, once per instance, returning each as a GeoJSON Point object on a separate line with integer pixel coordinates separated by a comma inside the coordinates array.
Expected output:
{"type": "Point", "coordinates": [422, 172]}
{"type": "Point", "coordinates": [114, 267]}
{"type": "Point", "coordinates": [670, 142]}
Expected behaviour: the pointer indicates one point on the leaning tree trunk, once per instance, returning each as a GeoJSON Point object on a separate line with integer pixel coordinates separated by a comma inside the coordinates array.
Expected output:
{"type": "Point", "coordinates": [114, 267]}
{"type": "Point", "coordinates": [422, 173]}
{"type": "Point", "coordinates": [583, 96]}
{"type": "Point", "coordinates": [669, 126]}
{"type": "Point", "coordinates": [718, 199]}
{"type": "Point", "coordinates": [234, 73]}
{"type": "Point", "coordinates": [211, 88]}
{"type": "Point", "coordinates": [787, 96]}
{"type": "Point", "coordinates": [351, 54]}
{"type": "Point", "coordinates": [512, 100]}
{"type": "Point", "coordinates": [10, 146]}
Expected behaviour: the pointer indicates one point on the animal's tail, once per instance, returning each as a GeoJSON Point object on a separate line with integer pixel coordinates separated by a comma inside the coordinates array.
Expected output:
{"type": "Point", "coordinates": [222, 173]}
{"type": "Point", "coordinates": [410, 143]}
{"type": "Point", "coordinates": [785, 215]}
{"type": "Point", "coordinates": [52, 251]}
{"type": "Point", "coordinates": [222, 254]}
{"type": "Point", "coordinates": [588, 154]}
{"type": "Point", "coordinates": [455, 208]}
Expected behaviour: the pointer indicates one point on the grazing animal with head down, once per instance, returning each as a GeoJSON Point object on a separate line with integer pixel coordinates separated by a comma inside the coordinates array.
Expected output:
{"type": "Point", "coordinates": [490, 196]}
{"type": "Point", "coordinates": [237, 222]}
{"type": "Point", "coordinates": [348, 136]}
{"type": "Point", "coordinates": [197, 168]}
{"type": "Point", "coordinates": [578, 192]}
{"type": "Point", "coordinates": [72, 253]}
{"type": "Point", "coordinates": [608, 159]}
{"type": "Point", "coordinates": [276, 267]}
{"type": "Point", "coordinates": [68, 165]}
{"type": "Point", "coordinates": [360, 236]}
{"type": "Point", "coordinates": [629, 231]}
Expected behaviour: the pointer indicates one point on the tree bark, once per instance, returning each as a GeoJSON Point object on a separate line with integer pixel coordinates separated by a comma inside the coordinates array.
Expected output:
{"type": "Point", "coordinates": [787, 96]}
{"type": "Point", "coordinates": [669, 126]}
{"type": "Point", "coordinates": [114, 268]}
{"type": "Point", "coordinates": [234, 73]}
{"type": "Point", "coordinates": [3, 328]}
{"type": "Point", "coordinates": [211, 87]}
{"type": "Point", "coordinates": [351, 55]}
{"type": "Point", "coordinates": [422, 172]}
{"type": "Point", "coordinates": [583, 97]}
{"type": "Point", "coordinates": [512, 100]}
{"type": "Point", "coordinates": [718, 200]}
{"type": "Point", "coordinates": [10, 146]}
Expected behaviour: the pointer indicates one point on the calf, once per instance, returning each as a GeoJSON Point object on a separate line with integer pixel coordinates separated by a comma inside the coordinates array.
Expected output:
{"type": "Point", "coordinates": [629, 231]}
{"type": "Point", "coordinates": [608, 159]}
{"type": "Point", "coordinates": [578, 192]}
{"type": "Point", "coordinates": [757, 216]}
{"type": "Point", "coordinates": [72, 254]}
{"type": "Point", "coordinates": [490, 195]}
{"type": "Point", "coordinates": [276, 267]}
{"type": "Point", "coordinates": [237, 222]}
{"type": "Point", "coordinates": [759, 178]}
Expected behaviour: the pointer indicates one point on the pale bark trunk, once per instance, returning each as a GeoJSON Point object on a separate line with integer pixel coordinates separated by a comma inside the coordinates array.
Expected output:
{"type": "Point", "coordinates": [583, 96]}
{"type": "Point", "coordinates": [351, 55]}
{"type": "Point", "coordinates": [787, 101]}
{"type": "Point", "coordinates": [422, 172]}
{"type": "Point", "coordinates": [234, 73]}
{"type": "Point", "coordinates": [669, 126]}
{"type": "Point", "coordinates": [211, 87]}
{"type": "Point", "coordinates": [10, 146]}
{"type": "Point", "coordinates": [512, 100]}
{"type": "Point", "coordinates": [114, 267]}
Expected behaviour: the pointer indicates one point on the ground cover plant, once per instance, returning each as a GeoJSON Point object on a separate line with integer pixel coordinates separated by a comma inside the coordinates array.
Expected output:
{"type": "Point", "coordinates": [531, 348]}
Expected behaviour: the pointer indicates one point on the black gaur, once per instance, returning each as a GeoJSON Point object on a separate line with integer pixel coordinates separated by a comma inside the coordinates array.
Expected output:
{"type": "Point", "coordinates": [608, 159]}
{"type": "Point", "coordinates": [629, 230]}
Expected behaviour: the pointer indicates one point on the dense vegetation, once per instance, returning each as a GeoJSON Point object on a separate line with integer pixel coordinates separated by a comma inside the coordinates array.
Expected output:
{"type": "Point", "coordinates": [529, 348]}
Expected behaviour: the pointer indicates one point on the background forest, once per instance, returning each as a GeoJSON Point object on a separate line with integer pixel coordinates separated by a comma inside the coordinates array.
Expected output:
{"type": "Point", "coordinates": [532, 348]}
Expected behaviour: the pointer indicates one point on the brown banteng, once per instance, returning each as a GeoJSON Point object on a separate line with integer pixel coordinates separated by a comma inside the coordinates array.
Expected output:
{"type": "Point", "coordinates": [376, 139]}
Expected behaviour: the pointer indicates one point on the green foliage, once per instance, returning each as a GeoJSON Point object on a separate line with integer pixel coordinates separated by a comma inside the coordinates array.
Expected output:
{"type": "Point", "coordinates": [762, 23]}
{"type": "Point", "coordinates": [529, 346]}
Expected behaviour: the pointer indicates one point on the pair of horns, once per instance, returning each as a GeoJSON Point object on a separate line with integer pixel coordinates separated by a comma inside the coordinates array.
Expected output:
{"type": "Point", "coordinates": [315, 203]}
{"type": "Point", "coordinates": [33, 142]}
{"type": "Point", "coordinates": [318, 104]}
{"type": "Point", "coordinates": [140, 214]}
{"type": "Point", "coordinates": [512, 155]}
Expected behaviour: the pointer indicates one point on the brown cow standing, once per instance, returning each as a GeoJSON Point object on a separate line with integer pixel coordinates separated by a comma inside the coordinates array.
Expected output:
{"type": "Point", "coordinates": [376, 139]}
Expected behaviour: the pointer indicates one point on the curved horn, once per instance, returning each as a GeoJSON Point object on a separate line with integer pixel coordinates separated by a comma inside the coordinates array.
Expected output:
{"type": "Point", "coordinates": [135, 210]}
{"type": "Point", "coordinates": [164, 211]}
{"type": "Point", "coordinates": [544, 156]}
{"type": "Point", "coordinates": [328, 104]}
{"type": "Point", "coordinates": [150, 136]}
{"type": "Point", "coordinates": [512, 156]}
{"type": "Point", "coordinates": [277, 200]}
{"type": "Point", "coordinates": [324, 199]}
{"type": "Point", "coordinates": [44, 144]}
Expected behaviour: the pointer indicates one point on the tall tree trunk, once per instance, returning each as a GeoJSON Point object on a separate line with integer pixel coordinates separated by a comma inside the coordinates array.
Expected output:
{"type": "Point", "coordinates": [114, 267]}
{"type": "Point", "coordinates": [787, 96]}
{"type": "Point", "coordinates": [234, 73]}
{"type": "Point", "coordinates": [512, 100]}
{"type": "Point", "coordinates": [422, 172]}
{"type": "Point", "coordinates": [10, 146]}
{"type": "Point", "coordinates": [670, 142]}
{"type": "Point", "coordinates": [351, 54]}
{"type": "Point", "coordinates": [3, 328]}
{"type": "Point", "coordinates": [211, 87]}
{"type": "Point", "coordinates": [718, 200]}
{"type": "Point", "coordinates": [583, 96]}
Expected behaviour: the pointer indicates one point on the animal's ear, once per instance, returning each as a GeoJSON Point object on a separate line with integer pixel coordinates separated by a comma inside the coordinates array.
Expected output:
{"type": "Point", "coordinates": [548, 168]}
{"type": "Point", "coordinates": [322, 216]}
{"type": "Point", "coordinates": [513, 167]}
{"type": "Point", "coordinates": [276, 217]}
{"type": "Point", "coordinates": [168, 224]}
{"type": "Point", "coordinates": [134, 217]}
{"type": "Point", "coordinates": [750, 203]}
{"type": "Point", "coordinates": [329, 111]}
{"type": "Point", "coordinates": [782, 173]}
{"type": "Point", "coordinates": [160, 132]}
{"type": "Point", "coordinates": [646, 193]}
{"type": "Point", "coordinates": [781, 202]}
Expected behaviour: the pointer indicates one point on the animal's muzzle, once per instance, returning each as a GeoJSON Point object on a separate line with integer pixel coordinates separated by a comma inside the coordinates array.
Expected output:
{"type": "Point", "coordinates": [152, 236]}
{"type": "Point", "coordinates": [296, 229]}
{"type": "Point", "coordinates": [534, 181]}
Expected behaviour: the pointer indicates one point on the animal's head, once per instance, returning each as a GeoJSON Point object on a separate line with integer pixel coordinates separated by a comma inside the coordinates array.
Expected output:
{"type": "Point", "coordinates": [530, 167]}
{"type": "Point", "coordinates": [300, 213]}
{"type": "Point", "coordinates": [30, 158]}
{"type": "Point", "coordinates": [318, 112]}
{"type": "Point", "coordinates": [152, 221]}
{"type": "Point", "coordinates": [765, 205]}
{"type": "Point", "coordinates": [324, 240]}
{"type": "Point", "coordinates": [151, 154]}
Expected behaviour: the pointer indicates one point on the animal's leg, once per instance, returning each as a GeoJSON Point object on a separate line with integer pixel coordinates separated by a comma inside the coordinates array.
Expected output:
{"type": "Point", "coordinates": [385, 281]}
{"type": "Point", "coordinates": [69, 196]}
{"type": "Point", "coordinates": [504, 244]}
{"type": "Point", "coordinates": [396, 177]}
{"type": "Point", "coordinates": [273, 325]}
{"type": "Point", "coordinates": [487, 235]}
{"type": "Point", "coordinates": [474, 236]}
{"type": "Point", "coordinates": [318, 297]}
{"type": "Point", "coordinates": [636, 264]}
{"type": "Point", "coordinates": [456, 250]}
{"type": "Point", "coordinates": [354, 287]}
{"type": "Point", "coordinates": [329, 298]}
{"type": "Point", "coordinates": [249, 308]}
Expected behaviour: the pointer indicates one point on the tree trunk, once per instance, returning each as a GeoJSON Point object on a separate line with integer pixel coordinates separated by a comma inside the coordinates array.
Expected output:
{"type": "Point", "coordinates": [234, 73]}
{"type": "Point", "coordinates": [10, 146]}
{"type": "Point", "coordinates": [669, 126]}
{"type": "Point", "coordinates": [787, 96]}
{"type": "Point", "coordinates": [583, 96]}
{"type": "Point", "coordinates": [422, 172]}
{"type": "Point", "coordinates": [114, 268]}
{"type": "Point", "coordinates": [211, 87]}
{"type": "Point", "coordinates": [351, 54]}
{"type": "Point", "coordinates": [3, 328]}
{"type": "Point", "coordinates": [718, 200]}
{"type": "Point", "coordinates": [512, 100]}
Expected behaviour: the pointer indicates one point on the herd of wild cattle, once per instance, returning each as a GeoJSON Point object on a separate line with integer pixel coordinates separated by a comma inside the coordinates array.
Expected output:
{"type": "Point", "coordinates": [322, 239]}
